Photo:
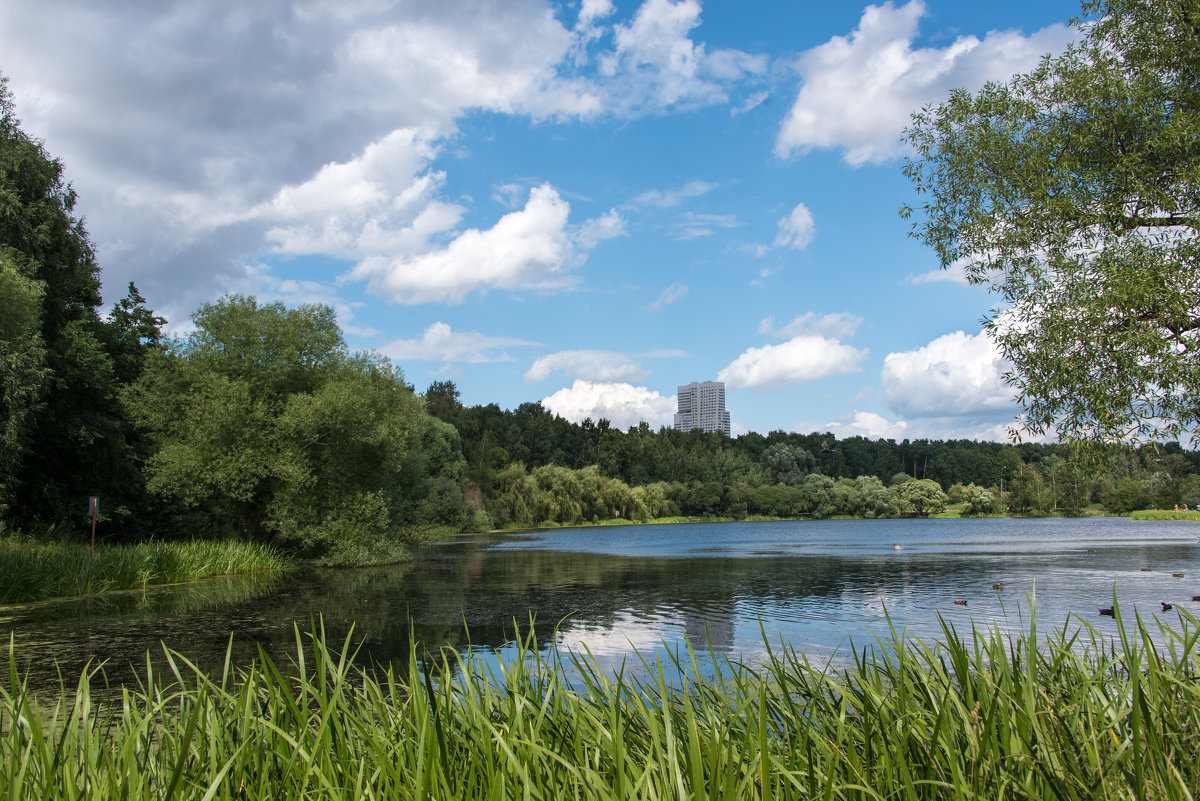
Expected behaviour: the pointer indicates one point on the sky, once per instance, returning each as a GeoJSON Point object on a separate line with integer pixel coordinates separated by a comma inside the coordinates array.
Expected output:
{"type": "Point", "coordinates": [583, 203]}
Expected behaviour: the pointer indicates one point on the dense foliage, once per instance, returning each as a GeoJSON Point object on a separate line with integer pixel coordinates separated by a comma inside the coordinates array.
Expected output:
{"type": "Point", "coordinates": [1074, 192]}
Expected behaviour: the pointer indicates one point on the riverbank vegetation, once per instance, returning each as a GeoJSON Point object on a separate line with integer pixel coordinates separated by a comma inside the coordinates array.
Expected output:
{"type": "Point", "coordinates": [1075, 716]}
{"type": "Point", "coordinates": [31, 572]}
{"type": "Point", "coordinates": [261, 425]}
{"type": "Point", "coordinates": [1165, 514]}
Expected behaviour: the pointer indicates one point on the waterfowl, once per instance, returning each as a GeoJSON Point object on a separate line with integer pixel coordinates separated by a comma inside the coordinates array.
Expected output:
{"type": "Point", "coordinates": [895, 547]}
{"type": "Point", "coordinates": [1177, 575]}
{"type": "Point", "coordinates": [1091, 550]}
{"type": "Point", "coordinates": [1107, 611]}
{"type": "Point", "coordinates": [1196, 597]}
{"type": "Point", "coordinates": [960, 602]}
{"type": "Point", "coordinates": [1146, 570]}
{"type": "Point", "coordinates": [1166, 606]}
{"type": "Point", "coordinates": [999, 585]}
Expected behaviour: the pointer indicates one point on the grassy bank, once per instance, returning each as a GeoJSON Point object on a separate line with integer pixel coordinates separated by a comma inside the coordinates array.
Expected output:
{"type": "Point", "coordinates": [31, 572]}
{"type": "Point", "coordinates": [1164, 514]}
{"type": "Point", "coordinates": [977, 717]}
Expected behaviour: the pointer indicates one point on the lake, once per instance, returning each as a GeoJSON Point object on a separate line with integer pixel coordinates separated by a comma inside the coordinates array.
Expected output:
{"type": "Point", "coordinates": [817, 586]}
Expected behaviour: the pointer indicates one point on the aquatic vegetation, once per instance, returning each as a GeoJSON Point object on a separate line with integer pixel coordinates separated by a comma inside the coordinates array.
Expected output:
{"type": "Point", "coordinates": [31, 572]}
{"type": "Point", "coordinates": [1165, 514]}
{"type": "Point", "coordinates": [974, 715]}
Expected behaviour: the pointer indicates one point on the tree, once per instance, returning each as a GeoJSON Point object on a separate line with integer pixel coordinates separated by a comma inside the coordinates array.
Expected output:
{"type": "Point", "coordinates": [267, 428]}
{"type": "Point", "coordinates": [921, 498]}
{"type": "Point", "coordinates": [978, 501]}
{"type": "Point", "coordinates": [1073, 191]}
{"type": "Point", "coordinates": [61, 379]}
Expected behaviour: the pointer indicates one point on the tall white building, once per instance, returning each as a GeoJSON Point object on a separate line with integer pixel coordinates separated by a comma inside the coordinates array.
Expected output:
{"type": "Point", "coordinates": [702, 406]}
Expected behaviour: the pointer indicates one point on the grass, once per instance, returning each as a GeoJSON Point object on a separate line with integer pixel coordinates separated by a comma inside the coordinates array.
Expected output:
{"type": "Point", "coordinates": [976, 716]}
{"type": "Point", "coordinates": [1164, 514]}
{"type": "Point", "coordinates": [31, 572]}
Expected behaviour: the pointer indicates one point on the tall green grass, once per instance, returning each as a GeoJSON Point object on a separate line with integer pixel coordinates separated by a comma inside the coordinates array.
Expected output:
{"type": "Point", "coordinates": [1165, 514]}
{"type": "Point", "coordinates": [976, 716]}
{"type": "Point", "coordinates": [30, 572]}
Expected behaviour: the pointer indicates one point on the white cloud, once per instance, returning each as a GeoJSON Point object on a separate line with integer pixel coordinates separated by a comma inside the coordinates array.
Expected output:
{"type": "Point", "coordinates": [312, 127]}
{"type": "Point", "coordinates": [692, 225]}
{"type": "Point", "coordinates": [834, 326]}
{"type": "Point", "coordinates": [954, 274]}
{"type": "Point", "coordinates": [858, 91]}
{"type": "Point", "coordinates": [869, 425]}
{"type": "Point", "coordinates": [382, 202]}
{"type": "Point", "coordinates": [656, 65]}
{"type": "Point", "coordinates": [955, 374]}
{"type": "Point", "coordinates": [440, 343]}
{"type": "Point", "coordinates": [666, 198]}
{"type": "Point", "coordinates": [797, 229]}
{"type": "Point", "coordinates": [597, 365]}
{"type": "Point", "coordinates": [623, 404]}
{"type": "Point", "coordinates": [669, 295]}
{"type": "Point", "coordinates": [750, 103]}
{"type": "Point", "coordinates": [594, 231]}
{"type": "Point", "coordinates": [526, 249]}
{"type": "Point", "coordinates": [802, 358]}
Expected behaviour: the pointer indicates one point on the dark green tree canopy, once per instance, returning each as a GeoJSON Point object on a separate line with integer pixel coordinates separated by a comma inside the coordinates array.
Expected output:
{"type": "Point", "coordinates": [1074, 192]}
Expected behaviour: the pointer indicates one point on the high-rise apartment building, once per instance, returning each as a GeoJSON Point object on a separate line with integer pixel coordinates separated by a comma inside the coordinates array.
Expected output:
{"type": "Point", "coordinates": [702, 405]}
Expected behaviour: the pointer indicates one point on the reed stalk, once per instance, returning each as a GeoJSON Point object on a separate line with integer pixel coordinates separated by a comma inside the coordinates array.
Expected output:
{"type": "Point", "coordinates": [974, 715]}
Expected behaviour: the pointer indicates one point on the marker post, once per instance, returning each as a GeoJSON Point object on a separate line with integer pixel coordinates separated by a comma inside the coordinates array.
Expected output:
{"type": "Point", "coordinates": [93, 510]}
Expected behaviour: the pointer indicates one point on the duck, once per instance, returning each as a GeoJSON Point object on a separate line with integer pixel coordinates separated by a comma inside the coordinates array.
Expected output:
{"type": "Point", "coordinates": [960, 602]}
{"type": "Point", "coordinates": [1178, 575]}
{"type": "Point", "coordinates": [1091, 550]}
{"type": "Point", "coordinates": [1146, 569]}
{"type": "Point", "coordinates": [1107, 611]}
{"type": "Point", "coordinates": [1166, 606]}
{"type": "Point", "coordinates": [1196, 597]}
{"type": "Point", "coordinates": [999, 585]}
{"type": "Point", "coordinates": [895, 547]}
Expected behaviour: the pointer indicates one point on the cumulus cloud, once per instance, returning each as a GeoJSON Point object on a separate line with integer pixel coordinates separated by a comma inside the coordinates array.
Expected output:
{"type": "Point", "coordinates": [839, 325]}
{"type": "Point", "coordinates": [659, 66]}
{"type": "Point", "coordinates": [858, 91]}
{"type": "Point", "coordinates": [442, 344]}
{"type": "Point", "coordinates": [597, 365]}
{"type": "Point", "coordinates": [623, 404]}
{"type": "Point", "coordinates": [312, 127]}
{"type": "Point", "coordinates": [669, 295]}
{"type": "Point", "coordinates": [527, 249]}
{"type": "Point", "coordinates": [955, 374]}
{"type": "Point", "coordinates": [797, 229]}
{"type": "Point", "coordinates": [869, 425]}
{"type": "Point", "coordinates": [802, 358]}
{"type": "Point", "coordinates": [383, 201]}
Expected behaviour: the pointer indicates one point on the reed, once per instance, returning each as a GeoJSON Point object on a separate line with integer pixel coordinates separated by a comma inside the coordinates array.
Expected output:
{"type": "Point", "coordinates": [1165, 514]}
{"type": "Point", "coordinates": [972, 716]}
{"type": "Point", "coordinates": [31, 572]}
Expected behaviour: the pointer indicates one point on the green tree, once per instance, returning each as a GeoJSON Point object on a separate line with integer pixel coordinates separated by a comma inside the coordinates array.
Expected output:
{"type": "Point", "coordinates": [788, 464]}
{"type": "Point", "coordinates": [267, 428]}
{"type": "Point", "coordinates": [978, 501]}
{"type": "Point", "coordinates": [1074, 192]}
{"type": "Point", "coordinates": [921, 498]}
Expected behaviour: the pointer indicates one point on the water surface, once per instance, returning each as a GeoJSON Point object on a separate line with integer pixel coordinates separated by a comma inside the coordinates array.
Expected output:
{"type": "Point", "coordinates": [817, 586]}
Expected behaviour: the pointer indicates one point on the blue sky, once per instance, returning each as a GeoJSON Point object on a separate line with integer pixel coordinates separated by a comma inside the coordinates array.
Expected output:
{"type": "Point", "coordinates": [583, 203]}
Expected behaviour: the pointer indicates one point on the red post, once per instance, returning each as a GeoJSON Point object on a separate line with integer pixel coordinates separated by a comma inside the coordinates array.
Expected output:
{"type": "Point", "coordinates": [94, 507]}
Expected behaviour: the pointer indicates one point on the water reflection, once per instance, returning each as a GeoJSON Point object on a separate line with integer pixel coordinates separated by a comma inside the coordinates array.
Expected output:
{"type": "Point", "coordinates": [720, 586]}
